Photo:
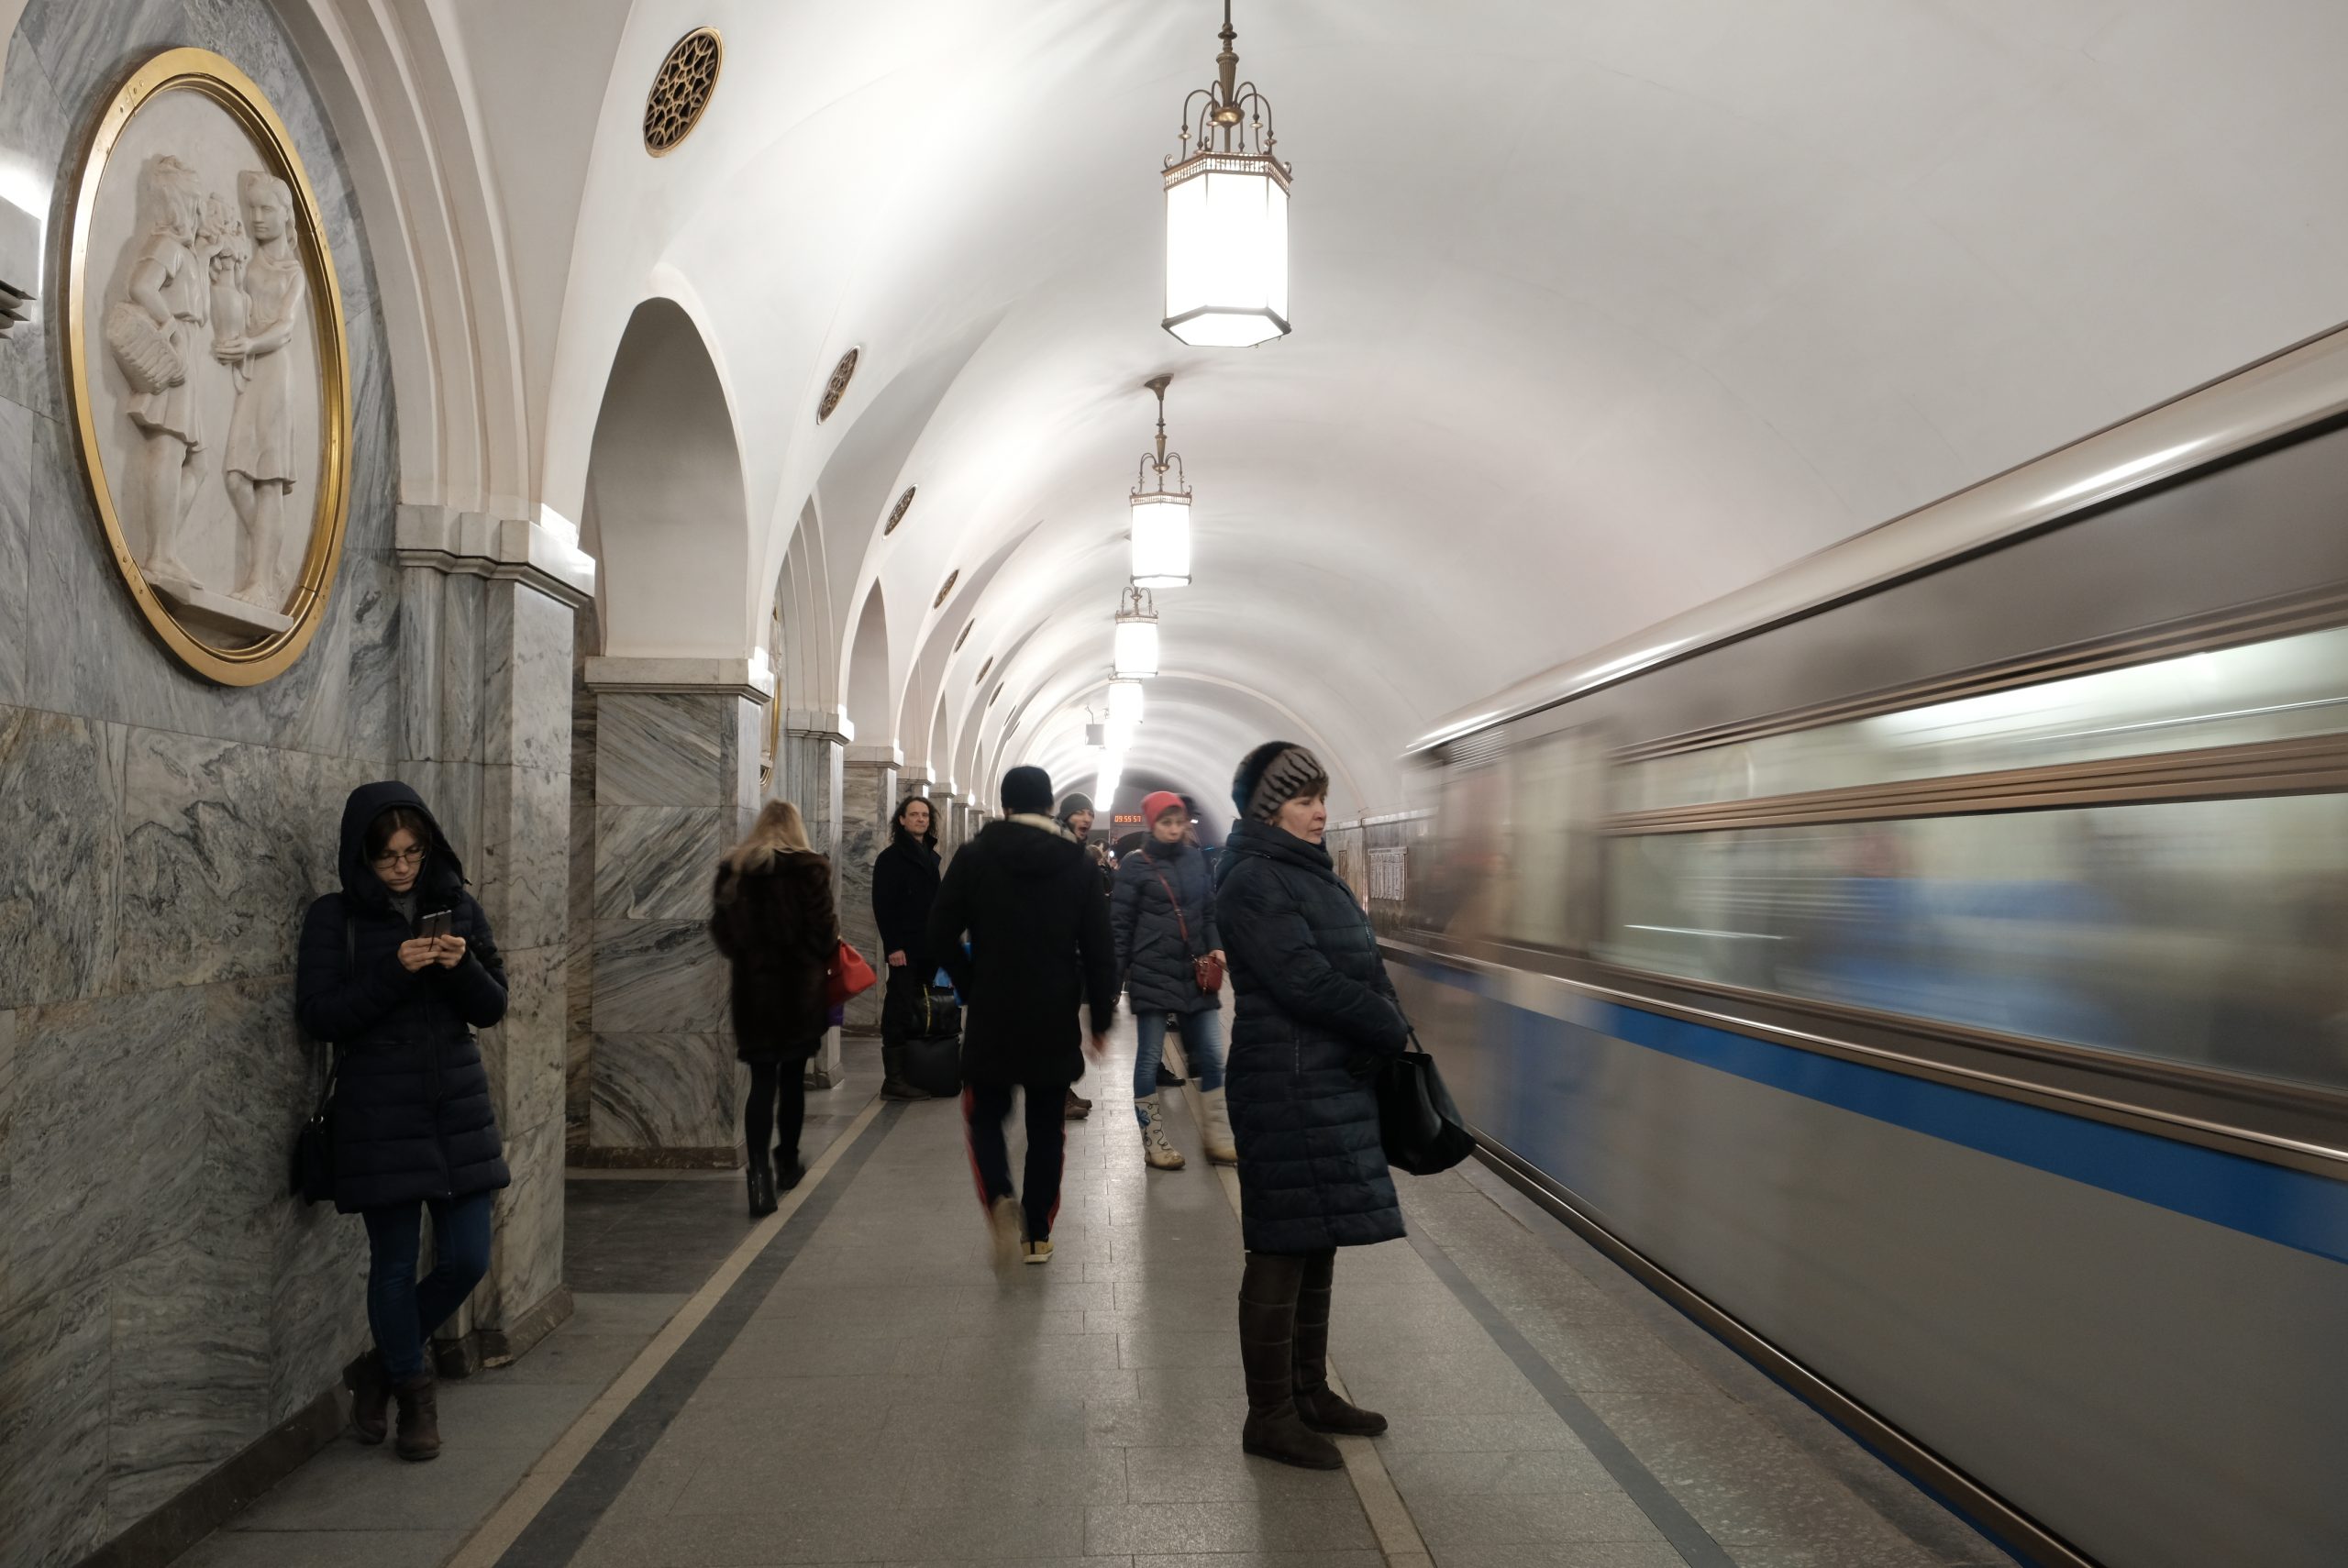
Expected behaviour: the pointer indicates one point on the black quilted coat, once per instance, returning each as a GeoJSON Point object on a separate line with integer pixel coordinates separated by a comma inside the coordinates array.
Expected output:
{"type": "Point", "coordinates": [1315, 1010]}
{"type": "Point", "coordinates": [779, 926]}
{"type": "Point", "coordinates": [1152, 956]}
{"type": "Point", "coordinates": [412, 1113]}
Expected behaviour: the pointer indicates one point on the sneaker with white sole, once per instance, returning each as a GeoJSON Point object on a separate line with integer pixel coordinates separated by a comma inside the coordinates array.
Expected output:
{"type": "Point", "coordinates": [1008, 1229]}
{"type": "Point", "coordinates": [1036, 1252]}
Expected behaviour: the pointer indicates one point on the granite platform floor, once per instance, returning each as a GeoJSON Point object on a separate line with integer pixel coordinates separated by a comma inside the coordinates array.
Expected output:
{"type": "Point", "coordinates": [867, 1389]}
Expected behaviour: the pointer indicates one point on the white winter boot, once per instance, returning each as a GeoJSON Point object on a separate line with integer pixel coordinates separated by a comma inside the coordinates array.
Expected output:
{"type": "Point", "coordinates": [1221, 1150]}
{"type": "Point", "coordinates": [1161, 1154]}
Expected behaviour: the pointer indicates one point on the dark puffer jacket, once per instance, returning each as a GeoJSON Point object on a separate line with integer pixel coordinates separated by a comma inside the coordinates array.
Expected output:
{"type": "Point", "coordinates": [905, 884]}
{"type": "Point", "coordinates": [1039, 948]}
{"type": "Point", "coordinates": [412, 1113]}
{"type": "Point", "coordinates": [776, 923]}
{"type": "Point", "coordinates": [1315, 1011]}
{"type": "Point", "coordinates": [1152, 956]}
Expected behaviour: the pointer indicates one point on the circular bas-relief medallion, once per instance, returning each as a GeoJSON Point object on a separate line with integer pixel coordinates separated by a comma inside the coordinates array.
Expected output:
{"type": "Point", "coordinates": [209, 375]}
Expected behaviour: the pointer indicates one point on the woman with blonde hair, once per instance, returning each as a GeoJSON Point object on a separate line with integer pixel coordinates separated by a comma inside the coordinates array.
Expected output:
{"type": "Point", "coordinates": [775, 921]}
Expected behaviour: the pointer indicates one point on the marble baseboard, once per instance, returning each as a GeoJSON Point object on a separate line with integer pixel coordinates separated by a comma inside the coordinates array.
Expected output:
{"type": "Point", "coordinates": [523, 867]}
{"type": "Point", "coordinates": [663, 1091]}
{"type": "Point", "coordinates": [524, 1054]}
{"type": "Point", "coordinates": [53, 1427]}
{"type": "Point", "coordinates": [105, 1153]}
{"type": "Point", "coordinates": [657, 862]}
{"type": "Point", "coordinates": [658, 977]}
{"type": "Point", "coordinates": [61, 814]}
{"type": "Point", "coordinates": [664, 749]}
{"type": "Point", "coordinates": [526, 678]}
{"type": "Point", "coordinates": [188, 1365]}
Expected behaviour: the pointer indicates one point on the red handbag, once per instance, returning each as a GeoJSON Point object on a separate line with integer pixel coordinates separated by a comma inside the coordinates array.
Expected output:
{"type": "Point", "coordinates": [849, 975]}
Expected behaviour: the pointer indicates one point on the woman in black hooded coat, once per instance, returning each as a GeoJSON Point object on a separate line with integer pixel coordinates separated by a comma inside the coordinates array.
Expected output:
{"type": "Point", "coordinates": [412, 1124]}
{"type": "Point", "coordinates": [1315, 1011]}
{"type": "Point", "coordinates": [905, 884]}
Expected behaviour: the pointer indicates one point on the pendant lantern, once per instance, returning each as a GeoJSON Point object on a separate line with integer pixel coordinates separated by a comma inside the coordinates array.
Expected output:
{"type": "Point", "coordinates": [1135, 650]}
{"type": "Point", "coordinates": [1161, 517]}
{"type": "Point", "coordinates": [1226, 215]}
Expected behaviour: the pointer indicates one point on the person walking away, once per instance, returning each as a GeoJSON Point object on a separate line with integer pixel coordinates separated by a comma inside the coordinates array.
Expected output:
{"type": "Point", "coordinates": [397, 971]}
{"type": "Point", "coordinates": [774, 920]}
{"type": "Point", "coordinates": [904, 885]}
{"type": "Point", "coordinates": [1315, 1009]}
{"type": "Point", "coordinates": [1029, 901]}
{"type": "Point", "coordinates": [1163, 917]}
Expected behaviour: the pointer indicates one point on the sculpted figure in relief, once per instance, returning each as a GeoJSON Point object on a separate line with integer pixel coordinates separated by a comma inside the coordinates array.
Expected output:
{"type": "Point", "coordinates": [258, 468]}
{"type": "Point", "coordinates": [151, 333]}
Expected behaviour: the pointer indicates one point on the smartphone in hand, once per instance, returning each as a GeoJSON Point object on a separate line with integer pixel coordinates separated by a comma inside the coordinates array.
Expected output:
{"type": "Point", "coordinates": [437, 923]}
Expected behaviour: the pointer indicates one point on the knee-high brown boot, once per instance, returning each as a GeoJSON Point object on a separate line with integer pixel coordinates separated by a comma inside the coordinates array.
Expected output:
{"type": "Point", "coordinates": [1267, 1294]}
{"type": "Point", "coordinates": [1320, 1406]}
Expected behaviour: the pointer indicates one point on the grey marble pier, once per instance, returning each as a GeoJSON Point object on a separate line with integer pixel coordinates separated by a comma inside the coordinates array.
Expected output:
{"type": "Point", "coordinates": [869, 792]}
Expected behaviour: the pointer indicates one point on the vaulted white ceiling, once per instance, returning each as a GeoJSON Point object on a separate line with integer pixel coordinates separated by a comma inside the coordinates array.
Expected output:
{"type": "Point", "coordinates": [1603, 308]}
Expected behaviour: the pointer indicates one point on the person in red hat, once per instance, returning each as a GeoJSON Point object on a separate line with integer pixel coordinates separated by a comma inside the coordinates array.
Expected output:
{"type": "Point", "coordinates": [1162, 916]}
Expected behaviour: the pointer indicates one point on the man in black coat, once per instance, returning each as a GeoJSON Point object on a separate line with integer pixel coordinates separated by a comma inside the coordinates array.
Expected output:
{"type": "Point", "coordinates": [1038, 925]}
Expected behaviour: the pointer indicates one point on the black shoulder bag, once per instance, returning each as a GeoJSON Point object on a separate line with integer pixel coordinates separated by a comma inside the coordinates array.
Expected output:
{"type": "Point", "coordinates": [313, 1174]}
{"type": "Point", "coordinates": [1416, 1119]}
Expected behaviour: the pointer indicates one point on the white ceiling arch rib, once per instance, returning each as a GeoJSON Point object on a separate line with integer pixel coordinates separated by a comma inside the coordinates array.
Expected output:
{"type": "Point", "coordinates": [1686, 288]}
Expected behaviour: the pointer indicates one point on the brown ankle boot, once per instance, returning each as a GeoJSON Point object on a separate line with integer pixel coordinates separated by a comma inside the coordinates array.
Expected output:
{"type": "Point", "coordinates": [370, 1392]}
{"type": "Point", "coordinates": [1320, 1406]}
{"type": "Point", "coordinates": [1267, 1351]}
{"type": "Point", "coordinates": [419, 1434]}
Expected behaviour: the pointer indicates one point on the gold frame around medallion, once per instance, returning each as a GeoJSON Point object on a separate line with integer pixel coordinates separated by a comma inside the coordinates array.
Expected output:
{"type": "Point", "coordinates": [200, 71]}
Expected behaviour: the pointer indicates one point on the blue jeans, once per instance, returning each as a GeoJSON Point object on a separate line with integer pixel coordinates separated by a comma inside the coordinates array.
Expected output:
{"type": "Point", "coordinates": [1202, 1048]}
{"type": "Point", "coordinates": [402, 1312]}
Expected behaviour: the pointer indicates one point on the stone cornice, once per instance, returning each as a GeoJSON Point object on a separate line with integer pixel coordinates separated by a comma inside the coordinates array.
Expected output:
{"type": "Point", "coordinates": [505, 550]}
{"type": "Point", "coordinates": [682, 676]}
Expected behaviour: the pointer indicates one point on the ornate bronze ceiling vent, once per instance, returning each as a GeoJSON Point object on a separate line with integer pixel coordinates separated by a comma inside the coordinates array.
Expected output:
{"type": "Point", "coordinates": [981, 679]}
{"type": "Point", "coordinates": [946, 588]}
{"type": "Point", "coordinates": [968, 627]}
{"type": "Point", "coordinates": [681, 90]}
{"type": "Point", "coordinates": [897, 512]}
{"type": "Point", "coordinates": [842, 373]}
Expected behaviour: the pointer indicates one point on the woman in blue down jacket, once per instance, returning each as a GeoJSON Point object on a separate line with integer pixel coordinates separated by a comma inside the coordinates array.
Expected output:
{"type": "Point", "coordinates": [1315, 1010]}
{"type": "Point", "coordinates": [1162, 913]}
{"type": "Point", "coordinates": [411, 1121]}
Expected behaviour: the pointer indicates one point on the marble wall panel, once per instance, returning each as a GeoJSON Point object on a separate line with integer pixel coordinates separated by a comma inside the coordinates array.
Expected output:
{"type": "Point", "coordinates": [663, 749]}
{"type": "Point", "coordinates": [525, 1054]}
{"type": "Point", "coordinates": [663, 1091]}
{"type": "Point", "coordinates": [223, 850]}
{"type": "Point", "coordinates": [658, 976]}
{"type": "Point", "coordinates": [188, 1361]}
{"type": "Point", "coordinates": [521, 861]}
{"type": "Point", "coordinates": [256, 1080]}
{"type": "Point", "coordinates": [7, 1096]}
{"type": "Point", "coordinates": [579, 970]}
{"type": "Point", "coordinates": [868, 795]}
{"type": "Point", "coordinates": [60, 820]}
{"type": "Point", "coordinates": [86, 47]}
{"type": "Point", "coordinates": [526, 1265]}
{"type": "Point", "coordinates": [53, 1429]}
{"type": "Point", "coordinates": [17, 425]}
{"type": "Point", "coordinates": [317, 1301]}
{"type": "Point", "coordinates": [747, 751]}
{"type": "Point", "coordinates": [106, 1153]}
{"type": "Point", "coordinates": [461, 667]}
{"type": "Point", "coordinates": [526, 678]}
{"type": "Point", "coordinates": [657, 862]}
{"type": "Point", "coordinates": [422, 617]}
{"type": "Point", "coordinates": [452, 793]}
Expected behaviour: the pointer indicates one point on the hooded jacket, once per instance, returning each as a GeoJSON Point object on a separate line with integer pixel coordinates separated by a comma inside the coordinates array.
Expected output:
{"type": "Point", "coordinates": [1315, 1010]}
{"type": "Point", "coordinates": [778, 924]}
{"type": "Point", "coordinates": [1153, 957]}
{"type": "Point", "coordinates": [1031, 904]}
{"type": "Point", "coordinates": [411, 1117]}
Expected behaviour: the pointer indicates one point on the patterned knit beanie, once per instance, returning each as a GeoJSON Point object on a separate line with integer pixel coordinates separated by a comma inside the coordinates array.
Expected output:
{"type": "Point", "coordinates": [1274, 774]}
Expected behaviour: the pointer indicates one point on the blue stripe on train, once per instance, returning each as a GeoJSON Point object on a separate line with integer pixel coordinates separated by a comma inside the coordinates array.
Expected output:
{"type": "Point", "coordinates": [2291, 1207]}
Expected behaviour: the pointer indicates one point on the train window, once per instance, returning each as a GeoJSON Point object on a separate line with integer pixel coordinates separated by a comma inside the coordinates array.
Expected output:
{"type": "Point", "coordinates": [2286, 688]}
{"type": "Point", "coordinates": [1558, 794]}
{"type": "Point", "coordinates": [1463, 885]}
{"type": "Point", "coordinates": [2208, 931]}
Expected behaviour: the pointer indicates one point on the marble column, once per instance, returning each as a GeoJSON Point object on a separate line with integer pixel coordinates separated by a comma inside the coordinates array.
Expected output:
{"type": "Point", "coordinates": [810, 756]}
{"type": "Point", "coordinates": [490, 606]}
{"type": "Point", "coordinates": [867, 794]}
{"type": "Point", "coordinates": [677, 744]}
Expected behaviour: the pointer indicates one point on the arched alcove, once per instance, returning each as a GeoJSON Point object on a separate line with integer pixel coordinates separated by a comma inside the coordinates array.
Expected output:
{"type": "Point", "coordinates": [869, 708]}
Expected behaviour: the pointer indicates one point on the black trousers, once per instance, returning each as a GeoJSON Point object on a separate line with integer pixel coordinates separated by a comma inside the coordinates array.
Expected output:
{"type": "Point", "coordinates": [985, 1110]}
{"type": "Point", "coordinates": [776, 1110]}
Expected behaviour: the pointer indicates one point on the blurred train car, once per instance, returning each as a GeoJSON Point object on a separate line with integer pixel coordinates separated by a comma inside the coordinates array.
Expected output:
{"type": "Point", "coordinates": [1929, 969]}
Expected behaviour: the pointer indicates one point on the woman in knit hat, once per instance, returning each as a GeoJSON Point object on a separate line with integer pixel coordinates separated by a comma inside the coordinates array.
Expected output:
{"type": "Point", "coordinates": [1315, 1008]}
{"type": "Point", "coordinates": [1162, 914]}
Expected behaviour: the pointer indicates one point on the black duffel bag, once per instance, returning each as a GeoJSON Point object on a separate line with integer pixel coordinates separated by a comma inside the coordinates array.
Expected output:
{"type": "Point", "coordinates": [932, 1046]}
{"type": "Point", "coordinates": [1416, 1119]}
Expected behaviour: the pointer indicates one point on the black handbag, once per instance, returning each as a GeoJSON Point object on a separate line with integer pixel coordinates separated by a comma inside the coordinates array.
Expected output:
{"type": "Point", "coordinates": [312, 1178]}
{"type": "Point", "coordinates": [1416, 1119]}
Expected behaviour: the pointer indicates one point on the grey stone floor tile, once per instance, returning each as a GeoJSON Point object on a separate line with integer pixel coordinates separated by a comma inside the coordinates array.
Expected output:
{"type": "Point", "coordinates": [643, 1313]}
{"type": "Point", "coordinates": [1424, 1432]}
{"type": "Point", "coordinates": [1200, 1420]}
{"type": "Point", "coordinates": [323, 1549]}
{"type": "Point", "coordinates": [1879, 1553]}
{"type": "Point", "coordinates": [1260, 1560]}
{"type": "Point", "coordinates": [1027, 1345]}
{"type": "Point", "coordinates": [1564, 1554]}
{"type": "Point", "coordinates": [348, 1487]}
{"type": "Point", "coordinates": [1220, 1473]}
{"type": "Point", "coordinates": [567, 1356]}
{"type": "Point", "coordinates": [1468, 1522]}
{"type": "Point", "coordinates": [782, 1354]}
{"type": "Point", "coordinates": [1187, 1349]}
{"type": "Point", "coordinates": [1285, 1524]}
{"type": "Point", "coordinates": [1473, 1473]}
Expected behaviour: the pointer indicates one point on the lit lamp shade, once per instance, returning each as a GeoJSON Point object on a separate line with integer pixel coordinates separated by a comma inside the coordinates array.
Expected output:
{"type": "Point", "coordinates": [1161, 540]}
{"type": "Point", "coordinates": [1124, 712]}
{"type": "Point", "coordinates": [1226, 249]}
{"type": "Point", "coordinates": [1104, 786]}
{"type": "Point", "coordinates": [1135, 654]}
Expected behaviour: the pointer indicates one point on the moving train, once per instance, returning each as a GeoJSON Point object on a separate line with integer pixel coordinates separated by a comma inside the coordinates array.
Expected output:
{"type": "Point", "coordinates": [1928, 967]}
